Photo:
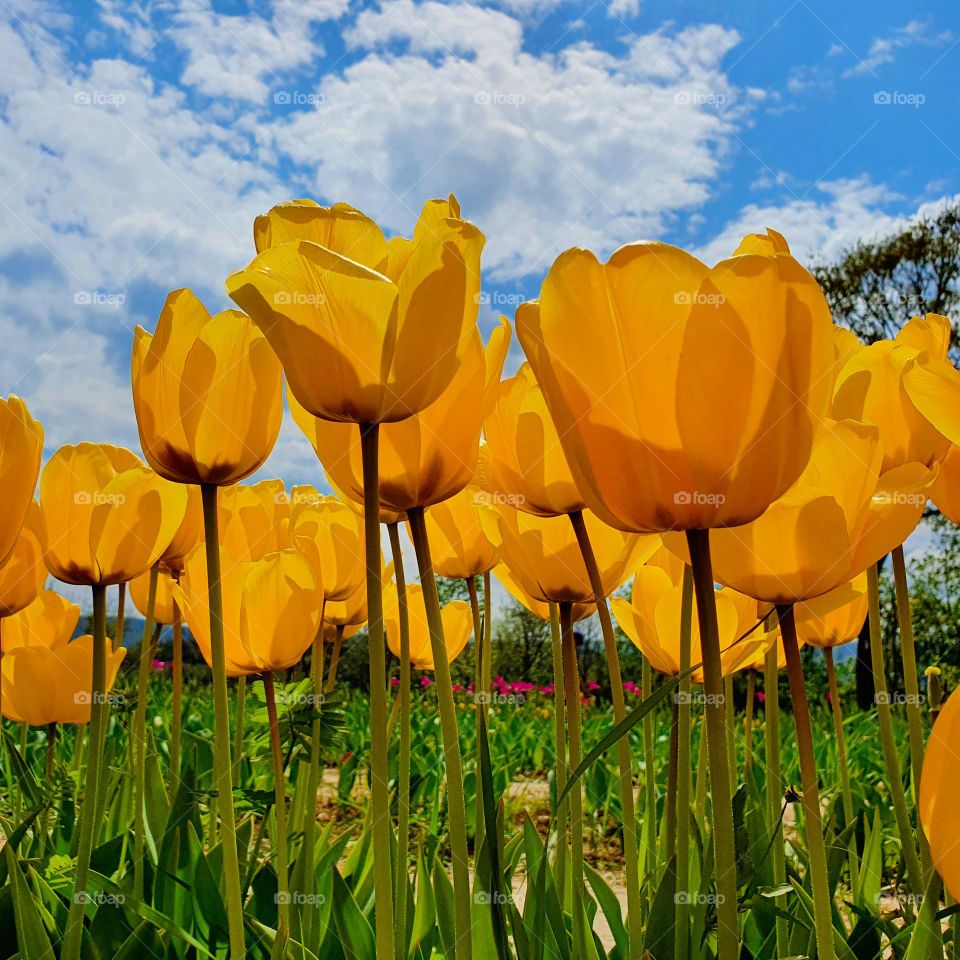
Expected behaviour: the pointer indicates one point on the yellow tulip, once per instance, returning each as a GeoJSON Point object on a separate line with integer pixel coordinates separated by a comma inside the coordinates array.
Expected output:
{"type": "Point", "coordinates": [188, 535]}
{"type": "Point", "coordinates": [459, 546]}
{"type": "Point", "coordinates": [271, 609]}
{"type": "Point", "coordinates": [254, 519]}
{"type": "Point", "coordinates": [544, 558]}
{"type": "Point", "coordinates": [207, 393]}
{"type": "Point", "coordinates": [21, 446]}
{"type": "Point", "coordinates": [350, 613]}
{"type": "Point", "coordinates": [523, 463]}
{"type": "Point", "coordinates": [24, 573]}
{"type": "Point", "coordinates": [49, 621]}
{"type": "Point", "coordinates": [651, 619]}
{"type": "Point", "coordinates": [163, 602]}
{"type": "Point", "coordinates": [945, 492]}
{"type": "Point", "coordinates": [870, 388]}
{"type": "Point", "coordinates": [841, 516]}
{"type": "Point", "coordinates": [539, 608]}
{"type": "Point", "coordinates": [428, 457]}
{"type": "Point", "coordinates": [108, 517]}
{"type": "Point", "coordinates": [330, 535]}
{"type": "Point", "coordinates": [933, 385]}
{"type": "Point", "coordinates": [364, 343]}
{"type": "Point", "coordinates": [835, 618]}
{"type": "Point", "coordinates": [939, 810]}
{"type": "Point", "coordinates": [43, 685]}
{"type": "Point", "coordinates": [457, 625]}
{"type": "Point", "coordinates": [685, 397]}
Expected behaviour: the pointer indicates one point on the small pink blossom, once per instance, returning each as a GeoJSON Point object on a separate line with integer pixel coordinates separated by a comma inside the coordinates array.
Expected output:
{"type": "Point", "coordinates": [426, 682]}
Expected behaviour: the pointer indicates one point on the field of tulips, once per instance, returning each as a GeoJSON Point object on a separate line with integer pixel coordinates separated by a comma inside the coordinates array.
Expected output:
{"type": "Point", "coordinates": [696, 456]}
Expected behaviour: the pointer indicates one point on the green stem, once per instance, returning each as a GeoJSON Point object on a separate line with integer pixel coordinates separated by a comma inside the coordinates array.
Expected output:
{"type": "Point", "coordinates": [571, 688]}
{"type": "Point", "coordinates": [456, 807]}
{"type": "Point", "coordinates": [649, 774]}
{"type": "Point", "coordinates": [480, 704]}
{"type": "Point", "coordinates": [822, 909]}
{"type": "Point", "coordinates": [911, 685]}
{"type": "Point", "coordinates": [670, 800]}
{"type": "Point", "coordinates": [403, 773]}
{"type": "Point", "coordinates": [774, 784]}
{"type": "Point", "coordinates": [238, 728]}
{"type": "Point", "coordinates": [560, 736]}
{"type": "Point", "coordinates": [725, 857]}
{"type": "Point", "coordinates": [847, 793]}
{"type": "Point", "coordinates": [700, 801]}
{"type": "Point", "coordinates": [279, 810]}
{"type": "Point", "coordinates": [176, 724]}
{"type": "Point", "coordinates": [731, 729]}
{"type": "Point", "coordinates": [140, 736]}
{"type": "Point", "coordinates": [334, 660]}
{"type": "Point", "coordinates": [98, 711]}
{"type": "Point", "coordinates": [682, 934]}
{"type": "Point", "coordinates": [627, 803]}
{"type": "Point", "coordinates": [313, 785]}
{"type": "Point", "coordinates": [379, 792]}
{"type": "Point", "coordinates": [748, 720]}
{"type": "Point", "coordinates": [885, 722]}
{"type": "Point", "coordinates": [221, 722]}
{"type": "Point", "coordinates": [487, 629]}
{"type": "Point", "coordinates": [119, 621]}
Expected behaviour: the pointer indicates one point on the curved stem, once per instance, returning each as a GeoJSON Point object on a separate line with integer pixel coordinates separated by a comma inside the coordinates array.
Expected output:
{"type": "Point", "coordinates": [403, 773]}
{"type": "Point", "coordinates": [571, 688]}
{"type": "Point", "coordinates": [885, 722]}
{"type": "Point", "coordinates": [176, 724]}
{"type": "Point", "coordinates": [822, 910]}
{"type": "Point", "coordinates": [682, 934]}
{"type": "Point", "coordinates": [98, 712]}
{"type": "Point", "coordinates": [627, 802]}
{"type": "Point", "coordinates": [456, 806]}
{"type": "Point", "coordinates": [279, 810]}
{"type": "Point", "coordinates": [221, 721]}
{"type": "Point", "coordinates": [911, 685]}
{"type": "Point", "coordinates": [140, 735]}
{"type": "Point", "coordinates": [774, 784]}
{"type": "Point", "coordinates": [847, 793]}
{"type": "Point", "coordinates": [379, 795]}
{"type": "Point", "coordinates": [725, 858]}
{"type": "Point", "coordinates": [560, 735]}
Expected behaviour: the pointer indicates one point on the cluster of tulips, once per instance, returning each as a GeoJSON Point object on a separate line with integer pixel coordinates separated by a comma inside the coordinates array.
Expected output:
{"type": "Point", "coordinates": [678, 424]}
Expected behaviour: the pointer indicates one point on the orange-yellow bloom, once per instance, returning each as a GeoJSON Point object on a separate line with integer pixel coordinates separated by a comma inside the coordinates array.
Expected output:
{"type": "Point", "coordinates": [939, 810]}
{"type": "Point", "coordinates": [685, 397]}
{"type": "Point", "coordinates": [539, 608]}
{"type": "Point", "coordinates": [841, 516]}
{"type": "Point", "coordinates": [522, 461]}
{"type": "Point", "coordinates": [330, 535]}
{"type": "Point", "coordinates": [428, 457]}
{"type": "Point", "coordinates": [21, 446]}
{"type": "Point", "coordinates": [24, 573]}
{"type": "Point", "coordinates": [271, 609]}
{"type": "Point", "coordinates": [457, 625]}
{"type": "Point", "coordinates": [49, 621]}
{"type": "Point", "coordinates": [363, 342]}
{"type": "Point", "coordinates": [108, 517]}
{"type": "Point", "coordinates": [945, 492]}
{"type": "Point", "coordinates": [835, 618]}
{"type": "Point", "coordinates": [189, 533]}
{"type": "Point", "coordinates": [544, 558]}
{"type": "Point", "coordinates": [163, 601]}
{"type": "Point", "coordinates": [459, 546]}
{"type": "Point", "coordinates": [206, 391]}
{"type": "Point", "coordinates": [254, 519]}
{"type": "Point", "coordinates": [43, 685]}
{"type": "Point", "coordinates": [870, 388]}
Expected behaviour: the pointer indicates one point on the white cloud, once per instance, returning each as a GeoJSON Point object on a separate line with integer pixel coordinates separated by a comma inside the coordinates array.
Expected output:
{"type": "Point", "coordinates": [623, 9]}
{"type": "Point", "coordinates": [883, 50]}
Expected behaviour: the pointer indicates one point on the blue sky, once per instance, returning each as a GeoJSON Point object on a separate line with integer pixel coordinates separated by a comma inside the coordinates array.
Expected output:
{"type": "Point", "coordinates": [140, 140]}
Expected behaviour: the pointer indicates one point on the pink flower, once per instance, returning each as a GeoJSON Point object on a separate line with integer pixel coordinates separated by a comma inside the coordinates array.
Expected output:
{"type": "Point", "coordinates": [394, 681]}
{"type": "Point", "coordinates": [426, 682]}
{"type": "Point", "coordinates": [761, 696]}
{"type": "Point", "coordinates": [456, 688]}
{"type": "Point", "coordinates": [593, 686]}
{"type": "Point", "coordinates": [159, 665]}
{"type": "Point", "coordinates": [547, 691]}
{"type": "Point", "coordinates": [631, 687]}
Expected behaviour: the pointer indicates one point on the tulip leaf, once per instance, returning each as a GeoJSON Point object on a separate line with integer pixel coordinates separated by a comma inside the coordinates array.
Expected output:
{"type": "Point", "coordinates": [32, 939]}
{"type": "Point", "coordinates": [356, 934]}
